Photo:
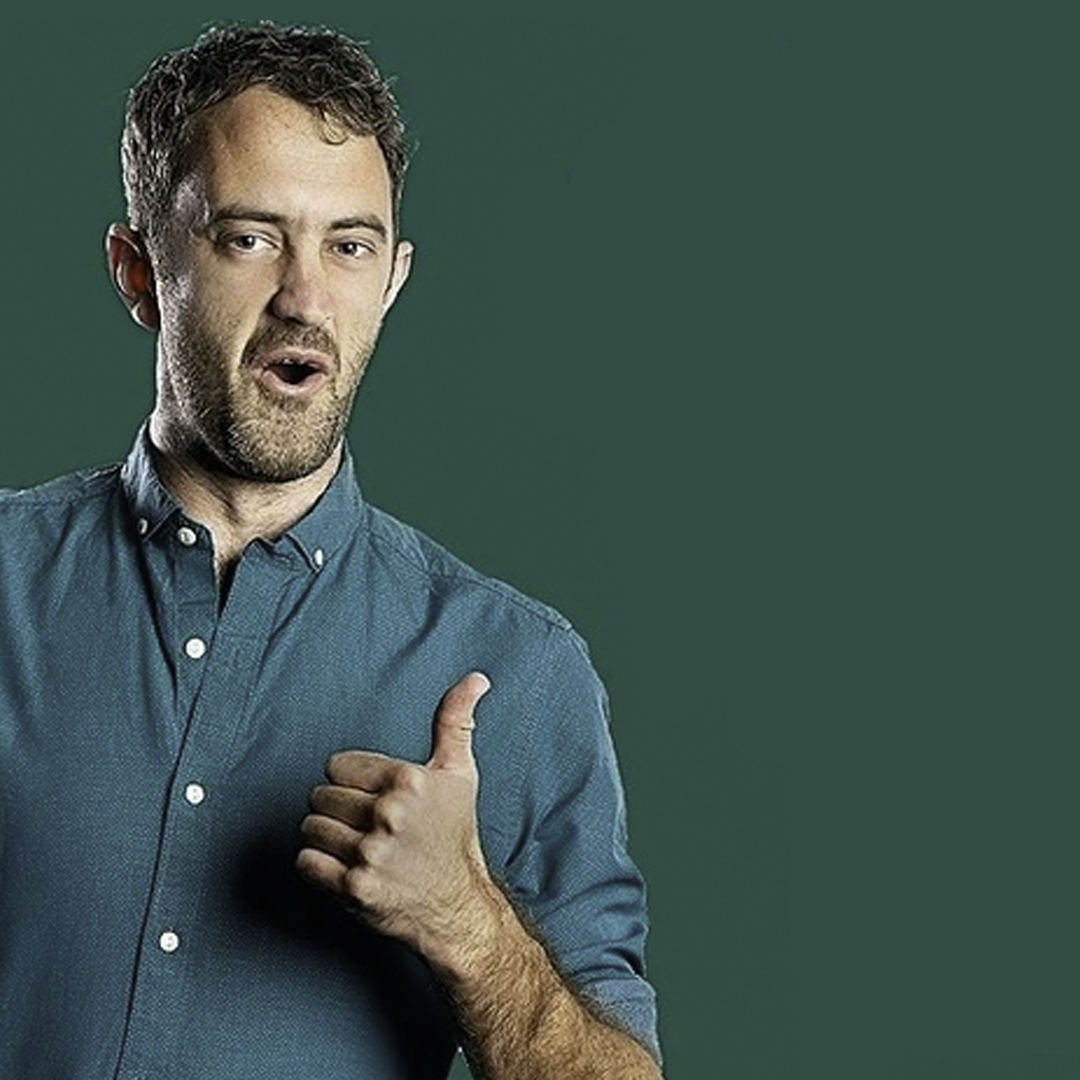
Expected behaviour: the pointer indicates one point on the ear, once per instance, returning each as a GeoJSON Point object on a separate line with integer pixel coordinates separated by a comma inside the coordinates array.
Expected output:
{"type": "Point", "coordinates": [403, 254]}
{"type": "Point", "coordinates": [132, 275]}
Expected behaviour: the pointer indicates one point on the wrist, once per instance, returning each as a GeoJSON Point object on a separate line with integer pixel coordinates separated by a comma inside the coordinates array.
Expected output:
{"type": "Point", "coordinates": [484, 930]}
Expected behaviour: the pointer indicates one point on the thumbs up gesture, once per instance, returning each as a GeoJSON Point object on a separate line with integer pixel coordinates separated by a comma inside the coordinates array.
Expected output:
{"type": "Point", "coordinates": [399, 840]}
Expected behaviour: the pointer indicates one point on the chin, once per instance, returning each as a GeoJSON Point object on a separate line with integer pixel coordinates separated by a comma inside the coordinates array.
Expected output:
{"type": "Point", "coordinates": [283, 456]}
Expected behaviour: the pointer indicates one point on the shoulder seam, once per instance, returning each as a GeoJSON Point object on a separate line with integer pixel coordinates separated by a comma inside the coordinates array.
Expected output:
{"type": "Point", "coordinates": [466, 575]}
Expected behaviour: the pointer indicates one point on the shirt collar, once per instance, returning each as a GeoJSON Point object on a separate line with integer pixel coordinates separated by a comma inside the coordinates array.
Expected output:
{"type": "Point", "coordinates": [318, 535]}
{"type": "Point", "coordinates": [151, 505]}
{"type": "Point", "coordinates": [332, 522]}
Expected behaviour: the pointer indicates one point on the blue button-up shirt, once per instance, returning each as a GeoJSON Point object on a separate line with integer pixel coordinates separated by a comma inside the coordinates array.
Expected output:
{"type": "Point", "coordinates": [156, 755]}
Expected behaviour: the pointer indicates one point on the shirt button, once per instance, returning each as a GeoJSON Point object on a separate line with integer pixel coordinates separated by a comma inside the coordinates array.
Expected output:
{"type": "Point", "coordinates": [320, 558]}
{"type": "Point", "coordinates": [186, 536]}
{"type": "Point", "coordinates": [195, 647]}
{"type": "Point", "coordinates": [143, 526]}
{"type": "Point", "coordinates": [194, 793]}
{"type": "Point", "coordinates": [169, 942]}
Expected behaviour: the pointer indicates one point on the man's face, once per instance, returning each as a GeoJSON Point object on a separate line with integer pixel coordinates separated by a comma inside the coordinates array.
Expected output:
{"type": "Point", "coordinates": [271, 287]}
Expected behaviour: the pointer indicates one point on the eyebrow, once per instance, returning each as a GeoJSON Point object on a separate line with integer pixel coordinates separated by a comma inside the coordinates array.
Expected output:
{"type": "Point", "coordinates": [236, 212]}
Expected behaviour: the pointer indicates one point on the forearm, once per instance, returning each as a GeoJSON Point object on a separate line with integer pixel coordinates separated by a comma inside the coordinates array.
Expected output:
{"type": "Point", "coordinates": [519, 1019]}
{"type": "Point", "coordinates": [400, 842]}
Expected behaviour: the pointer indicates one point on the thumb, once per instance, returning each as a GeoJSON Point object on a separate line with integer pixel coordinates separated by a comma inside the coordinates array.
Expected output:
{"type": "Point", "coordinates": [452, 746]}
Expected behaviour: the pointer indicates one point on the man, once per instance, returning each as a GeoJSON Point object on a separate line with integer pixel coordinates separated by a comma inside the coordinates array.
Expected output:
{"type": "Point", "coordinates": [190, 637]}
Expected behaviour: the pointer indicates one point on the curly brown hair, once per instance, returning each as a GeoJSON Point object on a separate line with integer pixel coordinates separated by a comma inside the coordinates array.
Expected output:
{"type": "Point", "coordinates": [315, 66]}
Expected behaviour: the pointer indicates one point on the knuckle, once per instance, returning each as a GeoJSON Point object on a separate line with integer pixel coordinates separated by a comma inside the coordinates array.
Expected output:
{"type": "Point", "coordinates": [411, 779]}
{"type": "Point", "coordinates": [372, 849]}
{"type": "Point", "coordinates": [357, 885]}
{"type": "Point", "coordinates": [388, 814]}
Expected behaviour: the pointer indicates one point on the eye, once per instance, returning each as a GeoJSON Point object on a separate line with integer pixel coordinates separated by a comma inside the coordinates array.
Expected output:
{"type": "Point", "coordinates": [353, 249]}
{"type": "Point", "coordinates": [247, 242]}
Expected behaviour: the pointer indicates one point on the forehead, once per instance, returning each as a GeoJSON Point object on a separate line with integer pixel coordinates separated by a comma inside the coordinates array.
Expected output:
{"type": "Point", "coordinates": [265, 150]}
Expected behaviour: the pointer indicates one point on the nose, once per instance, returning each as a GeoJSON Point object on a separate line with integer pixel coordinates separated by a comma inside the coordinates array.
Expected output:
{"type": "Point", "coordinates": [302, 295]}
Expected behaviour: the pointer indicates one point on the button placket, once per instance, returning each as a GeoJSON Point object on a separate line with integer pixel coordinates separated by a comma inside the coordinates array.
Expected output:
{"type": "Point", "coordinates": [195, 613]}
{"type": "Point", "coordinates": [172, 931]}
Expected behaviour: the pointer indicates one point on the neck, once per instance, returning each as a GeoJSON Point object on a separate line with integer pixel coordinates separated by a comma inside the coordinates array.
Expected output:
{"type": "Point", "coordinates": [236, 510]}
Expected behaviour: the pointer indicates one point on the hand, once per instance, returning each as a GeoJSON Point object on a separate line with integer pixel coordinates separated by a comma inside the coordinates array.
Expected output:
{"type": "Point", "coordinates": [398, 840]}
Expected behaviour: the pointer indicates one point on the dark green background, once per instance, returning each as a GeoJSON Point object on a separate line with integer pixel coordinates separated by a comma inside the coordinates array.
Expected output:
{"type": "Point", "coordinates": [741, 339]}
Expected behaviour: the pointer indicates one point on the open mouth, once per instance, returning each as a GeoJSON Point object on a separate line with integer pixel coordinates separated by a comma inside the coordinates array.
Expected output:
{"type": "Point", "coordinates": [289, 371]}
{"type": "Point", "coordinates": [293, 372]}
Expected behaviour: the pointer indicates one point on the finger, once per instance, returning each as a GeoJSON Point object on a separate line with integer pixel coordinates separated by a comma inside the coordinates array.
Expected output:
{"type": "Point", "coordinates": [350, 805]}
{"type": "Point", "coordinates": [332, 837]}
{"type": "Point", "coordinates": [454, 723]}
{"type": "Point", "coordinates": [362, 769]}
{"type": "Point", "coordinates": [322, 869]}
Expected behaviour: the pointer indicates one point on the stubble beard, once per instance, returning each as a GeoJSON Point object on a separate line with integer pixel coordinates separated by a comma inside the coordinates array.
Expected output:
{"type": "Point", "coordinates": [241, 428]}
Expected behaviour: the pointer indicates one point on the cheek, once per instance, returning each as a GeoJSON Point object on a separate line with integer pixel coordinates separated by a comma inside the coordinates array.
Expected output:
{"type": "Point", "coordinates": [200, 339]}
{"type": "Point", "coordinates": [362, 311]}
{"type": "Point", "coordinates": [225, 303]}
{"type": "Point", "coordinates": [223, 315]}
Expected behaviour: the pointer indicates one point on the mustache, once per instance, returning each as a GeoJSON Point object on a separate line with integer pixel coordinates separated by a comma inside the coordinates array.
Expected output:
{"type": "Point", "coordinates": [274, 336]}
